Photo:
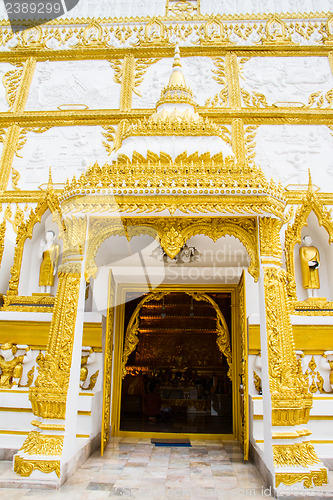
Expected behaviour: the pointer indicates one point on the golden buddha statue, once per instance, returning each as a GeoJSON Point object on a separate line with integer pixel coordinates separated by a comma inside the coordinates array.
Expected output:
{"type": "Point", "coordinates": [50, 255]}
{"type": "Point", "coordinates": [11, 366]}
{"type": "Point", "coordinates": [310, 262]}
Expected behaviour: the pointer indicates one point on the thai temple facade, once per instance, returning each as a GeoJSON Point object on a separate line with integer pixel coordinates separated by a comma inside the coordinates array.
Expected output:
{"type": "Point", "coordinates": [166, 236]}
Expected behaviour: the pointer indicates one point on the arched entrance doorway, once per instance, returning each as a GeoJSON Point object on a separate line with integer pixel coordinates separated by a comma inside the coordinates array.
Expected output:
{"type": "Point", "coordinates": [201, 396]}
{"type": "Point", "coordinates": [177, 364]}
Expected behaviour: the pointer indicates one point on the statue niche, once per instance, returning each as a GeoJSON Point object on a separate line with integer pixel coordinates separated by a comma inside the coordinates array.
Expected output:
{"type": "Point", "coordinates": [49, 252]}
{"type": "Point", "coordinates": [310, 262]}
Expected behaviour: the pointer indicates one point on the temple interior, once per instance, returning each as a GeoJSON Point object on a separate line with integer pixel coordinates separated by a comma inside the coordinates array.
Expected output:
{"type": "Point", "coordinates": [177, 378]}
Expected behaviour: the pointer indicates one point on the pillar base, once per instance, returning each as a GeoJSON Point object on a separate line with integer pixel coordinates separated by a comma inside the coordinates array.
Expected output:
{"type": "Point", "coordinates": [42, 472]}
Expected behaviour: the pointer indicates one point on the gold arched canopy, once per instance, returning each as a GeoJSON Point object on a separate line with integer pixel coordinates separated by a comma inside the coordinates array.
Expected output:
{"type": "Point", "coordinates": [173, 232]}
{"type": "Point", "coordinates": [132, 339]}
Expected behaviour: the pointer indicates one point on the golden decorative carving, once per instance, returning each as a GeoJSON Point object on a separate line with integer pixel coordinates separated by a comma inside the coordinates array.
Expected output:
{"type": "Point", "coordinates": [232, 73]}
{"type": "Point", "coordinates": [11, 366]}
{"type": "Point", "coordinates": [165, 126]}
{"type": "Point", "coordinates": [42, 444]}
{"type": "Point", "coordinates": [30, 378]}
{"type": "Point", "coordinates": [74, 238]}
{"type": "Point", "coordinates": [276, 31]}
{"type": "Point", "coordinates": [131, 336]}
{"type": "Point", "coordinates": [24, 83]}
{"type": "Point", "coordinates": [34, 303]}
{"type": "Point", "coordinates": [25, 467]}
{"type": "Point", "coordinates": [318, 477]}
{"type": "Point", "coordinates": [291, 400]}
{"type": "Point", "coordinates": [296, 454]}
{"type": "Point", "coordinates": [186, 174]}
{"type": "Point", "coordinates": [48, 397]}
{"type": "Point", "coordinates": [107, 379]}
{"type": "Point", "coordinates": [110, 134]}
{"type": "Point", "coordinates": [214, 32]}
{"type": "Point", "coordinates": [310, 203]}
{"type": "Point", "coordinates": [249, 142]}
{"type": "Point", "coordinates": [173, 233]}
{"type": "Point", "coordinates": [127, 82]}
{"type": "Point", "coordinates": [269, 233]}
{"type": "Point", "coordinates": [18, 216]}
{"type": "Point", "coordinates": [2, 238]}
{"type": "Point", "coordinates": [179, 7]}
{"type": "Point", "coordinates": [219, 75]}
{"type": "Point", "coordinates": [11, 80]}
{"type": "Point", "coordinates": [10, 143]}
{"type": "Point", "coordinates": [84, 371]}
{"type": "Point", "coordinates": [257, 382]}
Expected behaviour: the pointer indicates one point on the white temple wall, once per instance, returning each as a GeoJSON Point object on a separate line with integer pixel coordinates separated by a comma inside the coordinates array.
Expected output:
{"type": "Point", "coordinates": [286, 152]}
{"type": "Point", "coordinates": [121, 8]}
{"type": "Point", "coordinates": [67, 150]}
{"type": "Point", "coordinates": [199, 77]}
{"type": "Point", "coordinates": [73, 85]}
{"type": "Point", "coordinates": [287, 79]}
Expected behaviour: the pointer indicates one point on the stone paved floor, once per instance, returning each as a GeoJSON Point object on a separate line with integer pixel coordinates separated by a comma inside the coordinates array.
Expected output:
{"type": "Point", "coordinates": [134, 468]}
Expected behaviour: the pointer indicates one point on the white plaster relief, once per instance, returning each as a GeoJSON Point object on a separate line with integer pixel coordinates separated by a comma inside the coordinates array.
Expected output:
{"type": "Point", "coordinates": [87, 83]}
{"type": "Point", "coordinates": [198, 76]}
{"type": "Point", "coordinates": [260, 6]}
{"type": "Point", "coordinates": [286, 152]}
{"type": "Point", "coordinates": [67, 150]}
{"type": "Point", "coordinates": [124, 8]}
{"type": "Point", "coordinates": [290, 79]}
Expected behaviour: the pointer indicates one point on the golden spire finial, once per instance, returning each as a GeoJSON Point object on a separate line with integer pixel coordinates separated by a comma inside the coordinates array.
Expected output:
{"type": "Point", "coordinates": [176, 58]}
{"type": "Point", "coordinates": [177, 78]}
{"type": "Point", "coordinates": [50, 183]}
{"type": "Point", "coordinates": [310, 185]}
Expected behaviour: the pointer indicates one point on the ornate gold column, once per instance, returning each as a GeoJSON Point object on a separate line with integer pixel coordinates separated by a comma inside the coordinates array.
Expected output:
{"type": "Point", "coordinates": [294, 457]}
{"type": "Point", "coordinates": [54, 398]}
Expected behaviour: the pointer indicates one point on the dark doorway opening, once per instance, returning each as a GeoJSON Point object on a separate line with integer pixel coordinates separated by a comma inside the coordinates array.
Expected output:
{"type": "Point", "coordinates": [176, 380]}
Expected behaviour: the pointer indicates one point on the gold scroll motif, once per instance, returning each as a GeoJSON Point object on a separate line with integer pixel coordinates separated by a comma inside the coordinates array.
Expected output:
{"type": "Point", "coordinates": [132, 339]}
{"type": "Point", "coordinates": [318, 477]}
{"type": "Point", "coordinates": [48, 397]}
{"type": "Point", "coordinates": [294, 455]}
{"type": "Point", "coordinates": [42, 444]}
{"type": "Point", "coordinates": [105, 435]}
{"type": "Point", "coordinates": [219, 75]}
{"type": "Point", "coordinates": [291, 399]}
{"type": "Point", "coordinates": [173, 233]}
{"type": "Point", "coordinates": [310, 203]}
{"type": "Point", "coordinates": [11, 81]}
{"type": "Point", "coordinates": [25, 467]}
